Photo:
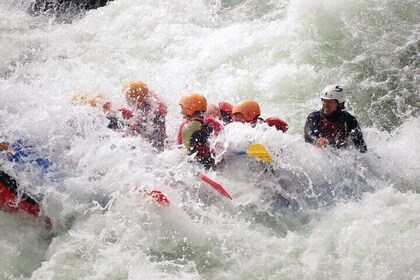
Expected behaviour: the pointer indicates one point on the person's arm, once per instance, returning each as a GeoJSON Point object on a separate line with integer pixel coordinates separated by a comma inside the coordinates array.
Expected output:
{"type": "Point", "coordinates": [116, 122]}
{"type": "Point", "coordinates": [195, 138]}
{"type": "Point", "coordinates": [199, 144]}
{"type": "Point", "coordinates": [311, 130]}
{"type": "Point", "coordinates": [357, 136]}
{"type": "Point", "coordinates": [278, 123]}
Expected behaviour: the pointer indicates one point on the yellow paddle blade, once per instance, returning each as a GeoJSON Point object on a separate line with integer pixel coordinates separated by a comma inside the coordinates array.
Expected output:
{"type": "Point", "coordinates": [258, 151]}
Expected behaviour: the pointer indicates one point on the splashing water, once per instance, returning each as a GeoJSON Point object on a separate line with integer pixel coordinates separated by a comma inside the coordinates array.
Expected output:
{"type": "Point", "coordinates": [311, 214]}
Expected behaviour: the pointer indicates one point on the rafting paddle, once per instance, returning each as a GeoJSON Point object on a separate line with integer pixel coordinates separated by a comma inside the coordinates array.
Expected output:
{"type": "Point", "coordinates": [158, 196]}
{"type": "Point", "coordinates": [258, 151]}
{"type": "Point", "coordinates": [215, 186]}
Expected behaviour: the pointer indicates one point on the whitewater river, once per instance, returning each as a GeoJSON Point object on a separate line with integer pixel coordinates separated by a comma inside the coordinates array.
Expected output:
{"type": "Point", "coordinates": [347, 215]}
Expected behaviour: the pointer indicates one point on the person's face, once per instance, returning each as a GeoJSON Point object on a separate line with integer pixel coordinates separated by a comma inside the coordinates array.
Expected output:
{"type": "Point", "coordinates": [329, 106]}
{"type": "Point", "coordinates": [238, 117]}
{"type": "Point", "coordinates": [212, 111]}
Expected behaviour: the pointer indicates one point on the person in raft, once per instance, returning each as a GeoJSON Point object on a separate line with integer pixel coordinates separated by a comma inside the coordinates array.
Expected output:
{"type": "Point", "coordinates": [144, 115]}
{"type": "Point", "coordinates": [213, 111]}
{"type": "Point", "coordinates": [196, 129]}
{"type": "Point", "coordinates": [12, 199]}
{"type": "Point", "coordinates": [248, 111]}
{"type": "Point", "coordinates": [332, 125]}
{"type": "Point", "coordinates": [226, 111]}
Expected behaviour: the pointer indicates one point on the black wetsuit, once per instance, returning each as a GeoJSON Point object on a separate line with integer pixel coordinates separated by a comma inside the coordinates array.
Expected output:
{"type": "Point", "coordinates": [199, 144]}
{"type": "Point", "coordinates": [337, 127]}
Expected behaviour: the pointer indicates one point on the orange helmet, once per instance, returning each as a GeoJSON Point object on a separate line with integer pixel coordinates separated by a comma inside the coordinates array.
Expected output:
{"type": "Point", "coordinates": [248, 108]}
{"type": "Point", "coordinates": [136, 90]}
{"type": "Point", "coordinates": [193, 102]}
{"type": "Point", "coordinates": [78, 98]}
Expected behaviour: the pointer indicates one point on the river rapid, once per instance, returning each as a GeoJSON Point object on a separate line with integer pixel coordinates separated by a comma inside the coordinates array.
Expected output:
{"type": "Point", "coordinates": [311, 214]}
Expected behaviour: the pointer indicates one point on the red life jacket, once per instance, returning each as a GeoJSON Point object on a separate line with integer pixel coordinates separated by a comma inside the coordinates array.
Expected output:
{"type": "Point", "coordinates": [200, 146]}
{"type": "Point", "coordinates": [335, 132]}
{"type": "Point", "coordinates": [216, 125]}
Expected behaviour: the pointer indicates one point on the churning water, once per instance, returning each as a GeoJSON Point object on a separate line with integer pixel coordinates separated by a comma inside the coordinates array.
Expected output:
{"type": "Point", "coordinates": [347, 215]}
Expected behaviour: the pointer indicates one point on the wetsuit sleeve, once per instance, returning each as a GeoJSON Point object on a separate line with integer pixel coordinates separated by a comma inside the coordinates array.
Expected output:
{"type": "Point", "coordinates": [311, 130]}
{"type": "Point", "coordinates": [356, 135]}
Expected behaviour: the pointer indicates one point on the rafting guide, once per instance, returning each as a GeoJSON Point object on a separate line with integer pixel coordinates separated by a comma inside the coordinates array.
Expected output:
{"type": "Point", "coordinates": [332, 125]}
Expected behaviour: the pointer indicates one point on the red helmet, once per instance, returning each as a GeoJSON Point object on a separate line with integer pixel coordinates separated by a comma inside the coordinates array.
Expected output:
{"type": "Point", "coordinates": [226, 107]}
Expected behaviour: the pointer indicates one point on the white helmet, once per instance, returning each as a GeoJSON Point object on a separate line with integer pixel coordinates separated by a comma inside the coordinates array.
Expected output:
{"type": "Point", "coordinates": [334, 92]}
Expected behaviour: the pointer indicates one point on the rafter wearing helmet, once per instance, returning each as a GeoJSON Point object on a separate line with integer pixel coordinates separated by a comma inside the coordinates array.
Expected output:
{"type": "Point", "coordinates": [332, 125]}
{"type": "Point", "coordinates": [248, 111]}
{"type": "Point", "coordinates": [144, 115]}
{"type": "Point", "coordinates": [196, 129]}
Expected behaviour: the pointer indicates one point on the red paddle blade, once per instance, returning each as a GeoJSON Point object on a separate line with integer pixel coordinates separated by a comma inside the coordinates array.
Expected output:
{"type": "Point", "coordinates": [159, 197]}
{"type": "Point", "coordinates": [215, 186]}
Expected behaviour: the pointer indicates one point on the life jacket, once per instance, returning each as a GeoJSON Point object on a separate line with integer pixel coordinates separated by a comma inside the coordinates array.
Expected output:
{"type": "Point", "coordinates": [199, 145]}
{"type": "Point", "coordinates": [215, 125]}
{"type": "Point", "coordinates": [335, 132]}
